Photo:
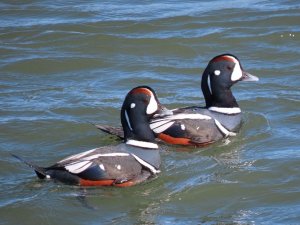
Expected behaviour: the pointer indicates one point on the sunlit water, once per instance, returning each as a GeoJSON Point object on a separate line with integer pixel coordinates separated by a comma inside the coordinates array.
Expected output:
{"type": "Point", "coordinates": [64, 65]}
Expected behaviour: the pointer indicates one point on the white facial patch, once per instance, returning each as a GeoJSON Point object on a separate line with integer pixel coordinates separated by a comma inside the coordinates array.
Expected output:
{"type": "Point", "coordinates": [132, 105]}
{"type": "Point", "coordinates": [217, 72]}
{"type": "Point", "coordinates": [237, 70]}
{"type": "Point", "coordinates": [152, 106]}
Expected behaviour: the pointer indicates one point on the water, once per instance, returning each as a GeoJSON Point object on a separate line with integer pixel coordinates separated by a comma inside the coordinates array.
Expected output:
{"type": "Point", "coordinates": [66, 64]}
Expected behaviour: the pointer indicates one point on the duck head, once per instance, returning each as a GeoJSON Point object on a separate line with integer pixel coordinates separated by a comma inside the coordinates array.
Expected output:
{"type": "Point", "coordinates": [221, 73]}
{"type": "Point", "coordinates": [139, 106]}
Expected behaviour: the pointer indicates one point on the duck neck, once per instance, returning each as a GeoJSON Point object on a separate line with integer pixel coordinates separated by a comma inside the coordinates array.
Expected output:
{"type": "Point", "coordinates": [216, 95]}
{"type": "Point", "coordinates": [223, 97]}
{"type": "Point", "coordinates": [137, 129]}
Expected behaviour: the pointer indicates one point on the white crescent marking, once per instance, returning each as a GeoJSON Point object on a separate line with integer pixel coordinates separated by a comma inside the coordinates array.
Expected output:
{"type": "Point", "coordinates": [127, 119]}
{"type": "Point", "coordinates": [209, 85]}
{"type": "Point", "coordinates": [224, 130]}
{"type": "Point", "coordinates": [144, 163]}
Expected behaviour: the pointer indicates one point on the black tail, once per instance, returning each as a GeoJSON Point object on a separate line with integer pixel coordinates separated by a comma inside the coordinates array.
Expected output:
{"type": "Point", "coordinates": [117, 131]}
{"type": "Point", "coordinates": [40, 171]}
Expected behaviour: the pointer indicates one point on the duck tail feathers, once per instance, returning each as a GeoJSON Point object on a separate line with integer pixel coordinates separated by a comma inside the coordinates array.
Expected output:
{"type": "Point", "coordinates": [116, 131]}
{"type": "Point", "coordinates": [40, 171]}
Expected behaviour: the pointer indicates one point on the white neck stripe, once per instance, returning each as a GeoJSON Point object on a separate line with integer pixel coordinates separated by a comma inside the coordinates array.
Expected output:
{"type": "Point", "coordinates": [142, 144]}
{"type": "Point", "coordinates": [234, 110]}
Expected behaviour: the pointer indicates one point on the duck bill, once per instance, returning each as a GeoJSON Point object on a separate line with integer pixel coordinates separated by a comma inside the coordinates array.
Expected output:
{"type": "Point", "coordinates": [162, 111]}
{"type": "Point", "coordinates": [249, 77]}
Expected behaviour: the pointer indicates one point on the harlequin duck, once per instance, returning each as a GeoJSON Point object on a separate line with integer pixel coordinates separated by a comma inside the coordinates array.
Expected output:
{"type": "Point", "coordinates": [198, 126]}
{"type": "Point", "coordinates": [126, 164]}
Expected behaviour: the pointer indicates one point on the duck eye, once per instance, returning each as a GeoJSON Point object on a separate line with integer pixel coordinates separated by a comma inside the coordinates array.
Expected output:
{"type": "Point", "coordinates": [229, 67]}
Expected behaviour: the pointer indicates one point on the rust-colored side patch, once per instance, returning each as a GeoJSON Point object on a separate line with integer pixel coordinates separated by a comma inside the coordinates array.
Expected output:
{"type": "Point", "coordinates": [172, 140]}
{"type": "Point", "coordinates": [84, 182]}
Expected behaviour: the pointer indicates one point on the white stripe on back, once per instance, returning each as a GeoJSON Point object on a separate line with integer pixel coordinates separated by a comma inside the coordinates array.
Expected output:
{"type": "Point", "coordinates": [78, 167]}
{"type": "Point", "coordinates": [77, 156]}
{"type": "Point", "coordinates": [182, 116]}
{"type": "Point", "coordinates": [162, 128]}
{"type": "Point", "coordinates": [116, 154]}
{"type": "Point", "coordinates": [162, 124]}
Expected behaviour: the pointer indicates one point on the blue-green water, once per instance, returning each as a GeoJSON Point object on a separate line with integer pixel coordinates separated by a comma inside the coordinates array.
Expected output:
{"type": "Point", "coordinates": [65, 64]}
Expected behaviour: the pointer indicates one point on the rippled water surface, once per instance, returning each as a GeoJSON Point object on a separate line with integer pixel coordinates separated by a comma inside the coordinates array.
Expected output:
{"type": "Point", "coordinates": [67, 64]}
